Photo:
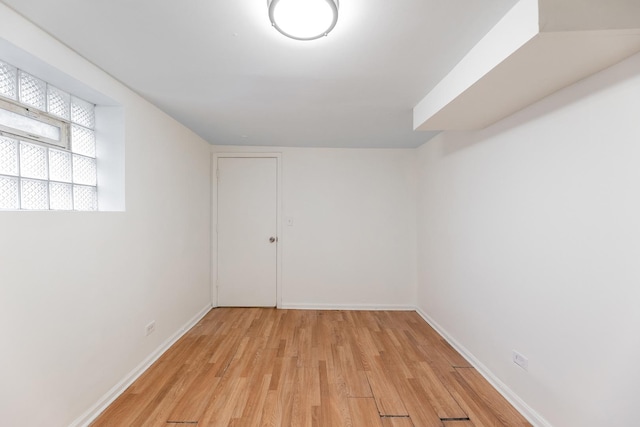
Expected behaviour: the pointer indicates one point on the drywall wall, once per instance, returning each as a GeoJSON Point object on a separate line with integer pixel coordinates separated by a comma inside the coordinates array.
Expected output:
{"type": "Point", "coordinates": [352, 242]}
{"type": "Point", "coordinates": [77, 289]}
{"type": "Point", "coordinates": [529, 239]}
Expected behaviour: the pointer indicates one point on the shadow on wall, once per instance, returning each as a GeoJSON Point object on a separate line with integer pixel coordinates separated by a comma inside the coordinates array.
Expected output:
{"type": "Point", "coordinates": [454, 141]}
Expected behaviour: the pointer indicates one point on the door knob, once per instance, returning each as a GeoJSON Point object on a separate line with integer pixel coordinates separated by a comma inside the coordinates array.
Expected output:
{"type": "Point", "coordinates": [273, 239]}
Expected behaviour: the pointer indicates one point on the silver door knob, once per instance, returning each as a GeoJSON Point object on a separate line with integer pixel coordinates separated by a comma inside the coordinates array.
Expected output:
{"type": "Point", "coordinates": [272, 239]}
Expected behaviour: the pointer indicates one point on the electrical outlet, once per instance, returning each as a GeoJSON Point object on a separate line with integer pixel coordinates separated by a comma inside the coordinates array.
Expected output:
{"type": "Point", "coordinates": [520, 360]}
{"type": "Point", "coordinates": [150, 328]}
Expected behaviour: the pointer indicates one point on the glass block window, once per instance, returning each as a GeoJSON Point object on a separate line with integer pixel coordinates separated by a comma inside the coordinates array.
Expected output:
{"type": "Point", "coordinates": [37, 172]}
{"type": "Point", "coordinates": [8, 81]}
{"type": "Point", "coordinates": [82, 113]}
{"type": "Point", "coordinates": [58, 102]}
{"type": "Point", "coordinates": [33, 91]}
{"type": "Point", "coordinates": [60, 196]}
{"type": "Point", "coordinates": [85, 198]}
{"type": "Point", "coordinates": [9, 194]}
{"type": "Point", "coordinates": [33, 161]}
{"type": "Point", "coordinates": [8, 156]}
{"type": "Point", "coordinates": [34, 194]}
{"type": "Point", "coordinates": [59, 165]}
{"type": "Point", "coordinates": [83, 141]}
{"type": "Point", "coordinates": [84, 170]}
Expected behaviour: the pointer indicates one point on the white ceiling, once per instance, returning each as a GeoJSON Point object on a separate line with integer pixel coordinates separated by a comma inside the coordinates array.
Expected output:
{"type": "Point", "coordinates": [219, 68]}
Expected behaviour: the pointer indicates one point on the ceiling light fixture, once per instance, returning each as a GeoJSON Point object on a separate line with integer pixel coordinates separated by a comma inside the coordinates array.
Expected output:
{"type": "Point", "coordinates": [303, 19]}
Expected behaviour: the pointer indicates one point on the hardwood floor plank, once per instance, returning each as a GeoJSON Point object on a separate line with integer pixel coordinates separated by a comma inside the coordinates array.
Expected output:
{"type": "Point", "coordinates": [148, 414]}
{"type": "Point", "coordinates": [471, 403]}
{"type": "Point", "coordinates": [397, 422]}
{"type": "Point", "coordinates": [233, 405]}
{"type": "Point", "coordinates": [306, 396]}
{"type": "Point", "coordinates": [364, 412]}
{"type": "Point", "coordinates": [384, 390]}
{"type": "Point", "coordinates": [434, 344]}
{"type": "Point", "coordinates": [326, 410]}
{"type": "Point", "coordinates": [121, 412]}
{"type": "Point", "coordinates": [436, 393]}
{"type": "Point", "coordinates": [421, 412]}
{"type": "Point", "coordinates": [355, 380]}
{"type": "Point", "coordinates": [252, 413]}
{"type": "Point", "coordinates": [492, 399]}
{"type": "Point", "coordinates": [192, 404]}
{"type": "Point", "coordinates": [247, 367]}
{"type": "Point", "coordinates": [287, 392]}
{"type": "Point", "coordinates": [268, 418]}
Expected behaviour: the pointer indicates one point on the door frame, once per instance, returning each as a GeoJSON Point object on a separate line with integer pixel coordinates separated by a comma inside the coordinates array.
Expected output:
{"type": "Point", "coordinates": [214, 220]}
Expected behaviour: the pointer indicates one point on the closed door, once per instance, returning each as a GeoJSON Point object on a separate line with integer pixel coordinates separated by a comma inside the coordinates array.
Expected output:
{"type": "Point", "coordinates": [247, 226]}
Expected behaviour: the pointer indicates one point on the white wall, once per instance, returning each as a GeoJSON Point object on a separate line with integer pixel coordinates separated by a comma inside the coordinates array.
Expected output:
{"type": "Point", "coordinates": [352, 243]}
{"type": "Point", "coordinates": [529, 239]}
{"type": "Point", "coordinates": [77, 289]}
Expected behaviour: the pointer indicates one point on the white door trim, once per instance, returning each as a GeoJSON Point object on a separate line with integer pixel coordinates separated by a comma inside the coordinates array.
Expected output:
{"type": "Point", "coordinates": [214, 221]}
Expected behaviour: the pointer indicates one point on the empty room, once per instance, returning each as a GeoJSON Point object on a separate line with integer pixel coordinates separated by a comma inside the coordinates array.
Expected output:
{"type": "Point", "coordinates": [363, 213]}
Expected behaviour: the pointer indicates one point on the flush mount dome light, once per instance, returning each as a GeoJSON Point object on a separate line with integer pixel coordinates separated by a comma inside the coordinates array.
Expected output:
{"type": "Point", "coordinates": [303, 19]}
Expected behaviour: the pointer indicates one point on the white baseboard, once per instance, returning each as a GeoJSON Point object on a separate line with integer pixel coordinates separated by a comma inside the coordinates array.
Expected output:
{"type": "Point", "coordinates": [355, 307]}
{"type": "Point", "coordinates": [92, 413]}
{"type": "Point", "coordinates": [532, 416]}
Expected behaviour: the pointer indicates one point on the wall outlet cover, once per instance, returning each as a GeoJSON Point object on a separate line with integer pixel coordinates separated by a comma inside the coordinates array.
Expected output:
{"type": "Point", "coordinates": [520, 360]}
{"type": "Point", "coordinates": [150, 328]}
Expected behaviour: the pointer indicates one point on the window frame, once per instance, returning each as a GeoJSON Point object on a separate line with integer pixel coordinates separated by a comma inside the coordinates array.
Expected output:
{"type": "Point", "coordinates": [40, 116]}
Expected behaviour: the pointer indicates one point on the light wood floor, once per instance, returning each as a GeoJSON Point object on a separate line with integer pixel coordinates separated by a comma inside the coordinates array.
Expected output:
{"type": "Point", "coordinates": [267, 367]}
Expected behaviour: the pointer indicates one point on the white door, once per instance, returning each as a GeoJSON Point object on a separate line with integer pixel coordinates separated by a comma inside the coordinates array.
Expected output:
{"type": "Point", "coordinates": [247, 226]}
